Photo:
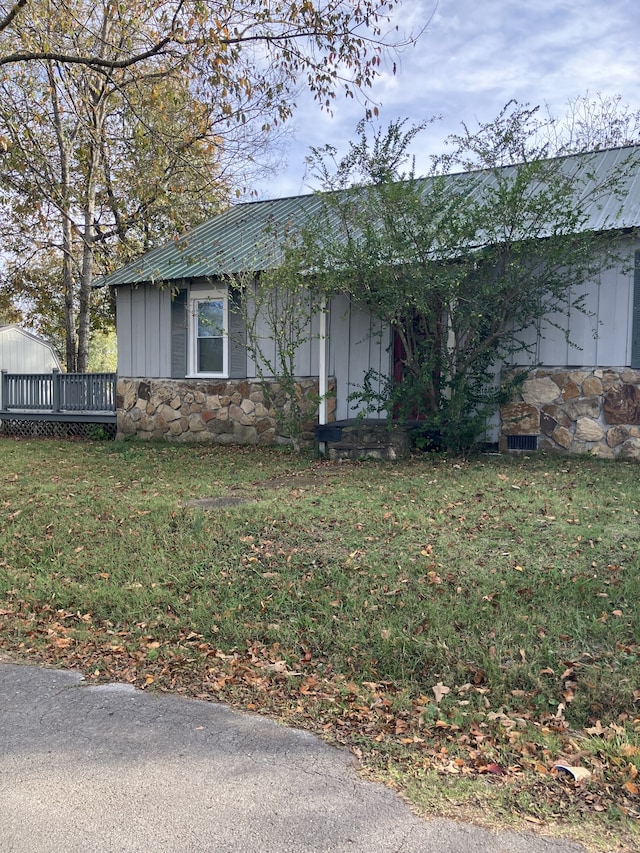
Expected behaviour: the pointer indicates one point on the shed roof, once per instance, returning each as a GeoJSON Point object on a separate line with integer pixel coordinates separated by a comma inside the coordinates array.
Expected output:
{"type": "Point", "coordinates": [247, 236]}
{"type": "Point", "coordinates": [14, 329]}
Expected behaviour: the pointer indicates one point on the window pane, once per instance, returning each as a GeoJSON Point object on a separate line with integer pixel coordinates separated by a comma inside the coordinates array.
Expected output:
{"type": "Point", "coordinates": [210, 355]}
{"type": "Point", "coordinates": [210, 318]}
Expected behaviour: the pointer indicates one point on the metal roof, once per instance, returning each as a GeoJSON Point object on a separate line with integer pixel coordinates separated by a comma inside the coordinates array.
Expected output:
{"type": "Point", "coordinates": [247, 237]}
{"type": "Point", "coordinates": [244, 237]}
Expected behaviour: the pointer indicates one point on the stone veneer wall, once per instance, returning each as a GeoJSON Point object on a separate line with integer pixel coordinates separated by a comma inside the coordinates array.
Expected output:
{"type": "Point", "coordinates": [588, 410]}
{"type": "Point", "coordinates": [230, 411]}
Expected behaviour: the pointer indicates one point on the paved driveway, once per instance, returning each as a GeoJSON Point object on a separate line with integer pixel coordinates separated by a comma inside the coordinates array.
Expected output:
{"type": "Point", "coordinates": [113, 769]}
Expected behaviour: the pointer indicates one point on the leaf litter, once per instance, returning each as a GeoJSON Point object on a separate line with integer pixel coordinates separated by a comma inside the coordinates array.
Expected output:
{"type": "Point", "coordinates": [461, 728]}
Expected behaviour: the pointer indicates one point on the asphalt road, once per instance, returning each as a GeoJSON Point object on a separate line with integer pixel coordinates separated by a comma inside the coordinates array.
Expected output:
{"type": "Point", "coordinates": [86, 768]}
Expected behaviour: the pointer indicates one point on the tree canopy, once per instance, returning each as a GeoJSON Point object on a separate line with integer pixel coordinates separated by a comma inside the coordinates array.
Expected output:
{"type": "Point", "coordinates": [324, 44]}
{"type": "Point", "coordinates": [122, 124]}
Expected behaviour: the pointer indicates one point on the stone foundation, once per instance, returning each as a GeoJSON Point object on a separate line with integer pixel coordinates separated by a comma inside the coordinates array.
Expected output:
{"type": "Point", "coordinates": [590, 410]}
{"type": "Point", "coordinates": [230, 411]}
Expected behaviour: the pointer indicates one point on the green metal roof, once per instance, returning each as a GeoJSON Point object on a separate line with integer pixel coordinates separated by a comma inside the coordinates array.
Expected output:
{"type": "Point", "coordinates": [247, 237]}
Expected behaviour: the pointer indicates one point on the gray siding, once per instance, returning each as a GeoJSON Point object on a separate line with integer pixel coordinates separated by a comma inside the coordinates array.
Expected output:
{"type": "Point", "coordinates": [306, 362]}
{"type": "Point", "coordinates": [600, 337]}
{"type": "Point", "coordinates": [143, 320]}
{"type": "Point", "coordinates": [152, 333]}
{"type": "Point", "coordinates": [357, 343]}
{"type": "Point", "coordinates": [635, 333]}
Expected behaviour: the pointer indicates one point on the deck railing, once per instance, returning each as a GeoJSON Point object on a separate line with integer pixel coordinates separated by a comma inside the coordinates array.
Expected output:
{"type": "Point", "coordinates": [58, 393]}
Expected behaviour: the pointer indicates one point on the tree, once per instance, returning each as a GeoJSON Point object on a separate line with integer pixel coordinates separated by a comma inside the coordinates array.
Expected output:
{"type": "Point", "coordinates": [592, 123]}
{"type": "Point", "coordinates": [121, 125]}
{"type": "Point", "coordinates": [67, 133]}
{"type": "Point", "coordinates": [460, 265]}
{"type": "Point", "coordinates": [221, 43]}
{"type": "Point", "coordinates": [280, 317]}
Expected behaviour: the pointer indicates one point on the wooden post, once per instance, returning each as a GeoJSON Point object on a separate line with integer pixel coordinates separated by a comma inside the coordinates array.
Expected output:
{"type": "Point", "coordinates": [323, 380]}
{"type": "Point", "coordinates": [323, 367]}
{"type": "Point", "coordinates": [3, 387]}
{"type": "Point", "coordinates": [56, 389]}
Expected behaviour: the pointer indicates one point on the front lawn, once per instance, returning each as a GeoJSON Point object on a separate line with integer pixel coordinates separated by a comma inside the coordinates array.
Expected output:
{"type": "Point", "coordinates": [463, 626]}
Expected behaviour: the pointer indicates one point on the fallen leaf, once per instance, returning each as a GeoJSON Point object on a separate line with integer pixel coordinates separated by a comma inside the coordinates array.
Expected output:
{"type": "Point", "coordinates": [440, 690]}
{"type": "Point", "coordinates": [578, 773]}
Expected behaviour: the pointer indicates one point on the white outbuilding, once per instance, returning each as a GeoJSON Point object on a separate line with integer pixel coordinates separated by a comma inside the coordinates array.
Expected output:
{"type": "Point", "coordinates": [24, 352]}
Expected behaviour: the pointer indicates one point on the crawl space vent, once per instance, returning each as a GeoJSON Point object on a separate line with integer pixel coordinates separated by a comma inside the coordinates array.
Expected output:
{"type": "Point", "coordinates": [522, 442]}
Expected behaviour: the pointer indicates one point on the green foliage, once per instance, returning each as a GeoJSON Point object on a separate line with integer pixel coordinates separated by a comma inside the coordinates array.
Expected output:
{"type": "Point", "coordinates": [98, 432]}
{"type": "Point", "coordinates": [461, 266]}
{"type": "Point", "coordinates": [34, 296]}
{"type": "Point", "coordinates": [103, 356]}
{"type": "Point", "coordinates": [280, 317]}
{"type": "Point", "coordinates": [80, 203]}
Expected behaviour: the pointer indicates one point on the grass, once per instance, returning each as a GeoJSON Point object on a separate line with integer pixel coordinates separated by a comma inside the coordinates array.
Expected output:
{"type": "Point", "coordinates": [474, 621]}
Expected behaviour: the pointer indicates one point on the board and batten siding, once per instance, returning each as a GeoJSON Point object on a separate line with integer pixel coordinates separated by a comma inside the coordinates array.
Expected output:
{"type": "Point", "coordinates": [599, 336]}
{"type": "Point", "coordinates": [358, 343]}
{"type": "Point", "coordinates": [262, 356]}
{"type": "Point", "coordinates": [635, 324]}
{"type": "Point", "coordinates": [143, 322]}
{"type": "Point", "coordinates": [152, 341]}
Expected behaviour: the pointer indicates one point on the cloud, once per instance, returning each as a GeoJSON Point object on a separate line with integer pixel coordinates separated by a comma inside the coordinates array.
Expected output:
{"type": "Point", "coordinates": [474, 57]}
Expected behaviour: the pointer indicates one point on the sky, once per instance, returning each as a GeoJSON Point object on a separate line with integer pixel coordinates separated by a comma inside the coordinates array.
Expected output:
{"type": "Point", "coordinates": [472, 58]}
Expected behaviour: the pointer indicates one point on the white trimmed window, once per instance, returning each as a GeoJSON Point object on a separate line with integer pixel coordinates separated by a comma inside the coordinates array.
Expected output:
{"type": "Point", "coordinates": [209, 350]}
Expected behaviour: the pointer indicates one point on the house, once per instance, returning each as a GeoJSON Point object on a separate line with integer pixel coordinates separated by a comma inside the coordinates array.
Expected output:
{"type": "Point", "coordinates": [178, 380]}
{"type": "Point", "coordinates": [172, 384]}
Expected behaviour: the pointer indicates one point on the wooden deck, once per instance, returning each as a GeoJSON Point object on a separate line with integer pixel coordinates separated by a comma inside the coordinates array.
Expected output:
{"type": "Point", "coordinates": [58, 397]}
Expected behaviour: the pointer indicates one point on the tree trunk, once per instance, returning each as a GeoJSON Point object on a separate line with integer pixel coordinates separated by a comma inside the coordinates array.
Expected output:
{"type": "Point", "coordinates": [88, 245]}
{"type": "Point", "coordinates": [84, 296]}
{"type": "Point", "coordinates": [64, 142]}
{"type": "Point", "coordinates": [71, 344]}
